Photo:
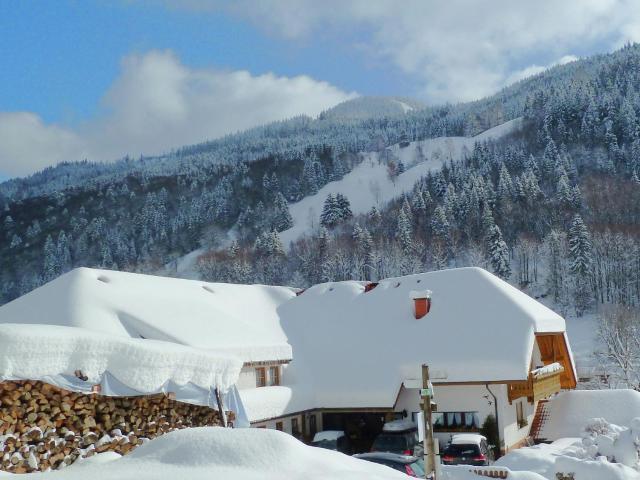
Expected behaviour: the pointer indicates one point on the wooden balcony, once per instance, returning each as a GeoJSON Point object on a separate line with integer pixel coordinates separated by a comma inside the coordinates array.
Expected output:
{"type": "Point", "coordinates": [542, 383]}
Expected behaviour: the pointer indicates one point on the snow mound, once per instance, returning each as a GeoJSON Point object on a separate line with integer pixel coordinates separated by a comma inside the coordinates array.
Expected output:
{"type": "Point", "coordinates": [217, 453]}
{"type": "Point", "coordinates": [569, 412]}
{"type": "Point", "coordinates": [369, 183]}
{"type": "Point", "coordinates": [606, 452]}
{"type": "Point", "coordinates": [37, 351]}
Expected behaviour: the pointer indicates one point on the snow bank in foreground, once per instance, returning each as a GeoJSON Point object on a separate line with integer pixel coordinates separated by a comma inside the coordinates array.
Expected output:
{"type": "Point", "coordinates": [606, 452]}
{"type": "Point", "coordinates": [217, 453]}
{"type": "Point", "coordinates": [37, 351]}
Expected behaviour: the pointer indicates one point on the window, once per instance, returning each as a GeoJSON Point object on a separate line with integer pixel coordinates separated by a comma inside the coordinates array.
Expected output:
{"type": "Point", "coordinates": [261, 377]}
{"type": "Point", "coordinates": [274, 375]}
{"type": "Point", "coordinates": [456, 421]}
{"type": "Point", "coordinates": [522, 420]}
{"type": "Point", "coordinates": [313, 425]}
{"type": "Point", "coordinates": [294, 426]}
{"type": "Point", "coordinates": [279, 426]}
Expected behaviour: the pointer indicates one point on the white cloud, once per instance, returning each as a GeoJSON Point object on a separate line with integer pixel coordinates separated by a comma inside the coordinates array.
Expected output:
{"type": "Point", "coordinates": [26, 143]}
{"type": "Point", "coordinates": [456, 49]}
{"type": "Point", "coordinates": [157, 104]}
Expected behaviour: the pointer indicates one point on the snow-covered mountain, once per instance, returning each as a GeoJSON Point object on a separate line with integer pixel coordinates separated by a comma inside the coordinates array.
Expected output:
{"type": "Point", "coordinates": [370, 184]}
{"type": "Point", "coordinates": [372, 107]}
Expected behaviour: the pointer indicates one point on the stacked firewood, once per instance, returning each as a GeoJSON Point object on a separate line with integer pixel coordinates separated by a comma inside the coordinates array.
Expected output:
{"type": "Point", "coordinates": [43, 427]}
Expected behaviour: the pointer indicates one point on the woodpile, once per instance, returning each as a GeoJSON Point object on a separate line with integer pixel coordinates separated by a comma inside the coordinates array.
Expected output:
{"type": "Point", "coordinates": [43, 427]}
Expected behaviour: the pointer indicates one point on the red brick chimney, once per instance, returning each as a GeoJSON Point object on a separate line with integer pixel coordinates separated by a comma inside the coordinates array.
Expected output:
{"type": "Point", "coordinates": [421, 302]}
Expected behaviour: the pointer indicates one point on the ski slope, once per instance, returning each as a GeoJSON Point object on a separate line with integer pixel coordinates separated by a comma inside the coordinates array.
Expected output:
{"type": "Point", "coordinates": [369, 184]}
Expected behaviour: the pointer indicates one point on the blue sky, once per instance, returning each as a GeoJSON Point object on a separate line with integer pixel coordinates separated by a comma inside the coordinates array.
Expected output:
{"type": "Point", "coordinates": [98, 80]}
{"type": "Point", "coordinates": [59, 61]}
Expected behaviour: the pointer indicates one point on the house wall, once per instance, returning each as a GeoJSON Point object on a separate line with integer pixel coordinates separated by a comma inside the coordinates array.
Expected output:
{"type": "Point", "coordinates": [471, 398]}
{"type": "Point", "coordinates": [247, 378]}
{"type": "Point", "coordinates": [287, 423]}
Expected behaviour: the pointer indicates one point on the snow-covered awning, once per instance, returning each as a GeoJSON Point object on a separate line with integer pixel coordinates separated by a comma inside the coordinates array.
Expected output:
{"type": "Point", "coordinates": [124, 366]}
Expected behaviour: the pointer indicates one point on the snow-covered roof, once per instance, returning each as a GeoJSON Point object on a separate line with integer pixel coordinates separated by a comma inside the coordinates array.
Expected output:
{"type": "Point", "coordinates": [355, 349]}
{"type": "Point", "coordinates": [569, 412]}
{"type": "Point", "coordinates": [350, 348]}
{"type": "Point", "coordinates": [237, 320]}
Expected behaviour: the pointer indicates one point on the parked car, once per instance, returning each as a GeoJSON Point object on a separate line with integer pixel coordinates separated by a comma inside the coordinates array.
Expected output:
{"type": "Point", "coordinates": [467, 449]}
{"type": "Point", "coordinates": [333, 440]}
{"type": "Point", "coordinates": [399, 436]}
{"type": "Point", "coordinates": [412, 466]}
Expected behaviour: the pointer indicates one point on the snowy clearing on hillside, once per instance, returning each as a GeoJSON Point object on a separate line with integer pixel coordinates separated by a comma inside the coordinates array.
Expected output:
{"type": "Point", "coordinates": [369, 183]}
{"type": "Point", "coordinates": [218, 453]}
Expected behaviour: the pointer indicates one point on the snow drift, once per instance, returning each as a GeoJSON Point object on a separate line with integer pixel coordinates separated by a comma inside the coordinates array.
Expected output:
{"type": "Point", "coordinates": [243, 454]}
{"type": "Point", "coordinates": [569, 412]}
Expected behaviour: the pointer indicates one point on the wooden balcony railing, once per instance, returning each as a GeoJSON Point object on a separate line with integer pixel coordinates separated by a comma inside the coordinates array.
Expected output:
{"type": "Point", "coordinates": [542, 383]}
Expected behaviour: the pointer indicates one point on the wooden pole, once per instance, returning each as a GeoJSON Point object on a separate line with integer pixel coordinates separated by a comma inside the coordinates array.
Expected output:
{"type": "Point", "coordinates": [223, 414]}
{"type": "Point", "coordinates": [429, 447]}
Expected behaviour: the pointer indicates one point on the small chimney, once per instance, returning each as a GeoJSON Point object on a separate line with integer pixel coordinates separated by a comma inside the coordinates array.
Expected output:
{"type": "Point", "coordinates": [370, 286]}
{"type": "Point", "coordinates": [421, 302]}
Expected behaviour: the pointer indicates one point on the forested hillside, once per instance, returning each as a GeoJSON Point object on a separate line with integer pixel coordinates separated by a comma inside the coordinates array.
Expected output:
{"type": "Point", "coordinates": [553, 207]}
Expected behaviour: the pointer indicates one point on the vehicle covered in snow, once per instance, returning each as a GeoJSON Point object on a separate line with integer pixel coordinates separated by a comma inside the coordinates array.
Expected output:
{"type": "Point", "coordinates": [333, 440]}
{"type": "Point", "coordinates": [399, 437]}
{"type": "Point", "coordinates": [467, 449]}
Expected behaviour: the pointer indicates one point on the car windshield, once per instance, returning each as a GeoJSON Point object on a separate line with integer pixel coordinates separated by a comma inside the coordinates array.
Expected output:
{"type": "Point", "coordinates": [390, 443]}
{"type": "Point", "coordinates": [462, 450]}
{"type": "Point", "coordinates": [330, 444]}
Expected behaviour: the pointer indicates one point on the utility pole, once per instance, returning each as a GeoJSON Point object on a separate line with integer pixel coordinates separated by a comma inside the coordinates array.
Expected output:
{"type": "Point", "coordinates": [429, 448]}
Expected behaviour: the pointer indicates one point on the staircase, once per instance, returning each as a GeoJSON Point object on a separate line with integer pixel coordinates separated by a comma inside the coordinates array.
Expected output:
{"type": "Point", "coordinates": [539, 419]}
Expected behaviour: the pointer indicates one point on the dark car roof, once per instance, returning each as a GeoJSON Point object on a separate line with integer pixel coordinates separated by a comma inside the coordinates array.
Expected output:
{"type": "Point", "coordinates": [389, 457]}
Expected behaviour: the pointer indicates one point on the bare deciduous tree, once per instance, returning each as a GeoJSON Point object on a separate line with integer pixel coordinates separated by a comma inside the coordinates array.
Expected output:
{"type": "Point", "coordinates": [619, 333]}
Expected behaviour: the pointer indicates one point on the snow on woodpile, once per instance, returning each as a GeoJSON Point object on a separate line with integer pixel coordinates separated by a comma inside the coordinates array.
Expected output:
{"type": "Point", "coordinates": [239, 320]}
{"type": "Point", "coordinates": [479, 328]}
{"type": "Point", "coordinates": [569, 412]}
{"type": "Point", "coordinates": [38, 351]}
{"type": "Point", "coordinates": [234, 454]}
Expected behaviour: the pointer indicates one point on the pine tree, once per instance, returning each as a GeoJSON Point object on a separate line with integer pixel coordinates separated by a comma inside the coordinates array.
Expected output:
{"type": "Point", "coordinates": [331, 214]}
{"type": "Point", "coordinates": [16, 241]}
{"type": "Point", "coordinates": [282, 217]}
{"type": "Point", "coordinates": [404, 232]}
{"type": "Point", "coordinates": [51, 267]}
{"type": "Point", "coordinates": [344, 207]}
{"type": "Point", "coordinates": [580, 255]}
{"type": "Point", "coordinates": [498, 253]}
{"type": "Point", "coordinates": [440, 224]}
{"type": "Point", "coordinates": [579, 247]}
